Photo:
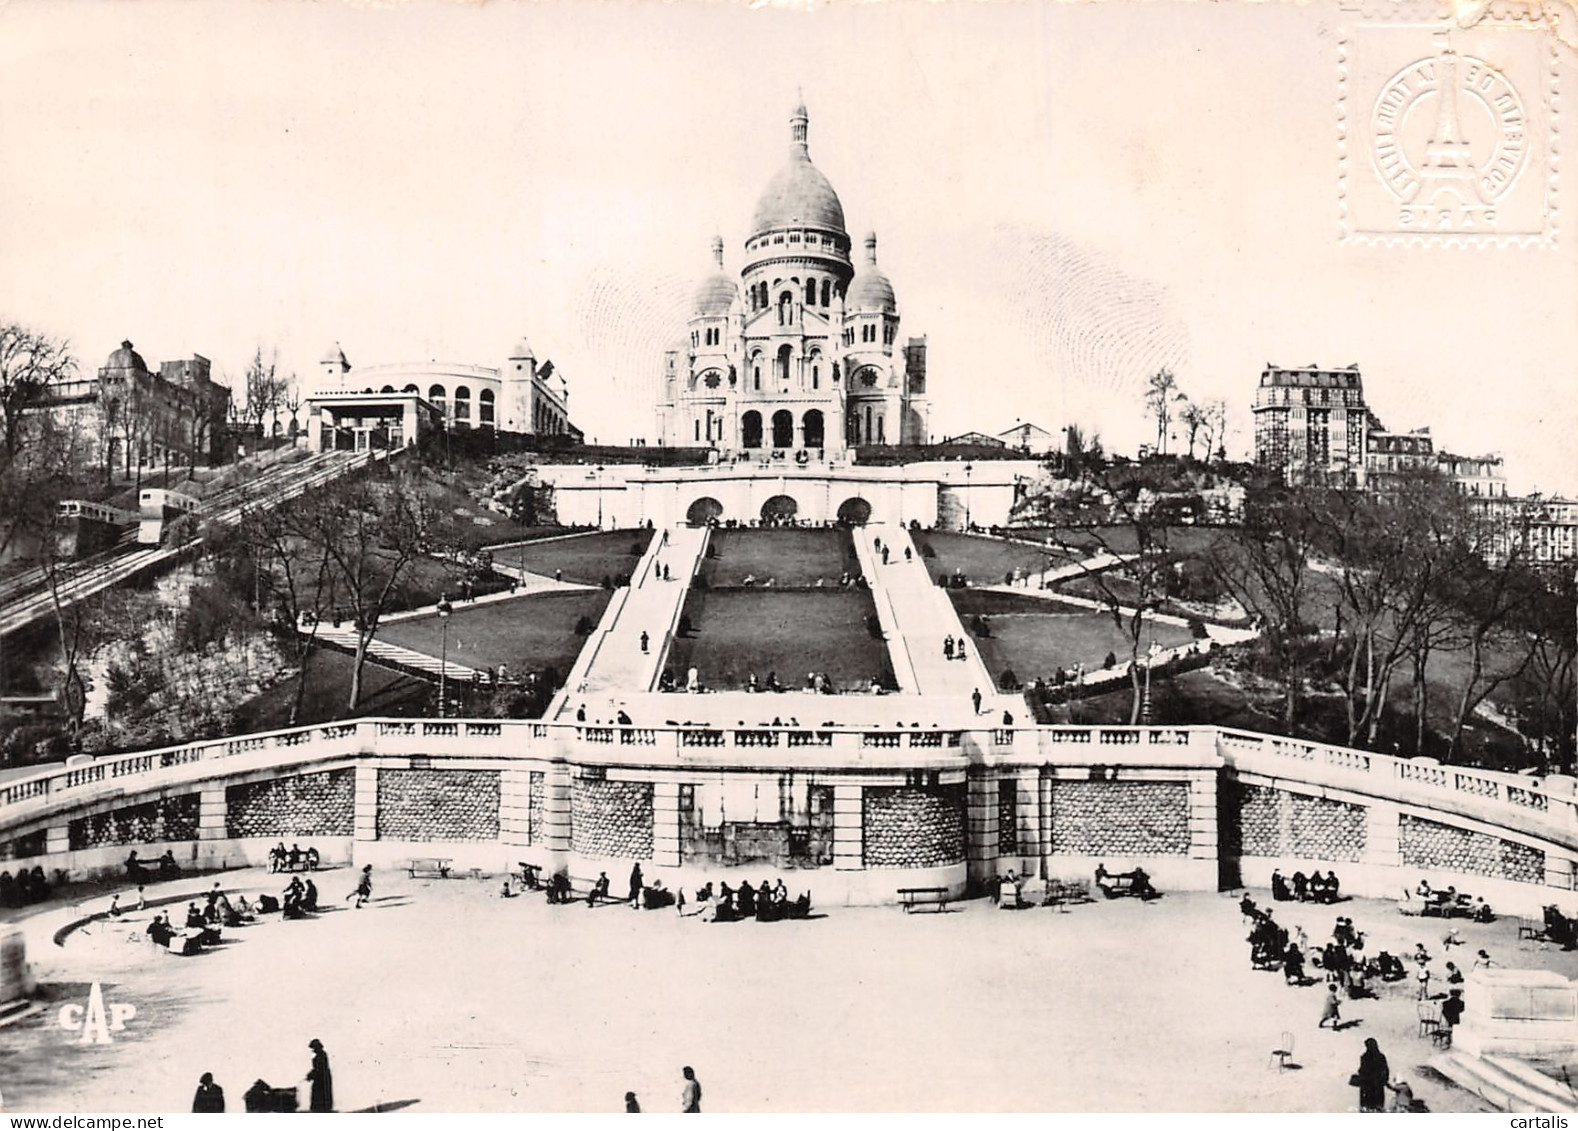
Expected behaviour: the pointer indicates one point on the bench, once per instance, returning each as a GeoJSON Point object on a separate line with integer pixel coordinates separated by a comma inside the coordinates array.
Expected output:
{"type": "Point", "coordinates": [581, 891]}
{"type": "Point", "coordinates": [1119, 884]}
{"type": "Point", "coordinates": [935, 898]}
{"type": "Point", "coordinates": [435, 867]}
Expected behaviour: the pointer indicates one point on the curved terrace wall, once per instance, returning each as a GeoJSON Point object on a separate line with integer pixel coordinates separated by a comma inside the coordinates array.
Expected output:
{"type": "Point", "coordinates": [850, 814]}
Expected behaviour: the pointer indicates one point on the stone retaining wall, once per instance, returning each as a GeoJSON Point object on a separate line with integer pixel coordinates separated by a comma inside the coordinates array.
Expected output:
{"type": "Point", "coordinates": [302, 805]}
{"type": "Point", "coordinates": [907, 827]}
{"type": "Point", "coordinates": [611, 818]}
{"type": "Point", "coordinates": [1432, 845]}
{"type": "Point", "coordinates": [1274, 822]}
{"type": "Point", "coordinates": [438, 805]}
{"type": "Point", "coordinates": [167, 819]}
{"type": "Point", "coordinates": [1104, 818]}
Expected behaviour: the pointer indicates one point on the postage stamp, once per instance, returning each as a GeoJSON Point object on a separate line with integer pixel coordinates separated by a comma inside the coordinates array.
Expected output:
{"type": "Point", "coordinates": [1448, 134]}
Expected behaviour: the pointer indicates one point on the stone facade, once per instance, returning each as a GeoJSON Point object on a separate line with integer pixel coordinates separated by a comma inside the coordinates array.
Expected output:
{"type": "Point", "coordinates": [438, 805]}
{"type": "Point", "coordinates": [1273, 822]}
{"type": "Point", "coordinates": [536, 807]}
{"type": "Point", "coordinates": [24, 846]}
{"type": "Point", "coordinates": [1119, 818]}
{"type": "Point", "coordinates": [907, 827]}
{"type": "Point", "coordinates": [169, 818]}
{"type": "Point", "coordinates": [611, 818]}
{"type": "Point", "coordinates": [304, 805]}
{"type": "Point", "coordinates": [1007, 818]}
{"type": "Point", "coordinates": [1430, 844]}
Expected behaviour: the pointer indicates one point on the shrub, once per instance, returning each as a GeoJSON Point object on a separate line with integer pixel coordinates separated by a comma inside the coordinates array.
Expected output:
{"type": "Point", "coordinates": [1008, 681]}
{"type": "Point", "coordinates": [1197, 628]}
{"type": "Point", "coordinates": [583, 626]}
{"type": "Point", "coordinates": [685, 627]}
{"type": "Point", "coordinates": [980, 626]}
{"type": "Point", "coordinates": [608, 582]}
{"type": "Point", "coordinates": [635, 550]}
{"type": "Point", "coordinates": [1110, 662]}
{"type": "Point", "coordinates": [927, 551]}
{"type": "Point", "coordinates": [942, 580]}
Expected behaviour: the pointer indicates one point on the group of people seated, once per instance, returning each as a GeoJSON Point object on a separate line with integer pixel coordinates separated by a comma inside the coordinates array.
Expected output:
{"type": "Point", "coordinates": [1313, 888]}
{"type": "Point", "coordinates": [1135, 882]}
{"type": "Point", "coordinates": [1559, 929]}
{"type": "Point", "coordinates": [766, 903]}
{"type": "Point", "coordinates": [26, 887]}
{"type": "Point", "coordinates": [300, 899]}
{"type": "Point", "coordinates": [1450, 903]}
{"type": "Point", "coordinates": [281, 859]}
{"type": "Point", "coordinates": [164, 868]}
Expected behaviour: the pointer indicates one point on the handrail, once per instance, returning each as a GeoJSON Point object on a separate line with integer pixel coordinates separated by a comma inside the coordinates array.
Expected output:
{"type": "Point", "coordinates": [1518, 804]}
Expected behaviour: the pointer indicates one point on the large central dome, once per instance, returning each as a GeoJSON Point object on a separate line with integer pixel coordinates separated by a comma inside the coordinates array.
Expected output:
{"type": "Point", "coordinates": [798, 196]}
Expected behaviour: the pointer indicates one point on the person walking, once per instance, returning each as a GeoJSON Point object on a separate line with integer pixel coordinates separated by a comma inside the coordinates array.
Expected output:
{"type": "Point", "coordinates": [1372, 1077]}
{"type": "Point", "coordinates": [636, 885]}
{"type": "Point", "coordinates": [645, 640]}
{"type": "Point", "coordinates": [210, 1097]}
{"type": "Point", "coordinates": [690, 1094]}
{"type": "Point", "coordinates": [975, 698]}
{"type": "Point", "coordinates": [364, 886]}
{"type": "Point", "coordinates": [1331, 1010]}
{"type": "Point", "coordinates": [322, 1079]}
{"type": "Point", "coordinates": [947, 647]}
{"type": "Point", "coordinates": [632, 1105]}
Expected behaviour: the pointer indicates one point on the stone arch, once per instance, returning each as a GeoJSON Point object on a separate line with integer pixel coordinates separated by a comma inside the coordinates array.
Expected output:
{"type": "Point", "coordinates": [411, 388]}
{"type": "Point", "coordinates": [751, 430]}
{"type": "Point", "coordinates": [703, 511]}
{"type": "Point", "coordinates": [854, 511]}
{"type": "Point", "coordinates": [783, 429]}
{"type": "Point", "coordinates": [812, 427]}
{"type": "Point", "coordinates": [387, 389]}
{"type": "Point", "coordinates": [779, 508]}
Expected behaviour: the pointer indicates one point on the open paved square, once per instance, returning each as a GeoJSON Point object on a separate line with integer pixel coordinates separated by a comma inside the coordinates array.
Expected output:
{"type": "Point", "coordinates": [443, 996]}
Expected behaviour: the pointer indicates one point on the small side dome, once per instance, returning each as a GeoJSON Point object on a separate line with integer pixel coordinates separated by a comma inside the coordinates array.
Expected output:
{"type": "Point", "coordinates": [870, 291]}
{"type": "Point", "coordinates": [522, 351]}
{"type": "Point", "coordinates": [334, 355]}
{"type": "Point", "coordinates": [717, 294]}
{"type": "Point", "coordinates": [126, 358]}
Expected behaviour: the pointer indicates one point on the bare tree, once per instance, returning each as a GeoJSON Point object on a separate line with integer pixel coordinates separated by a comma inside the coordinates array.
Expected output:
{"type": "Point", "coordinates": [370, 532]}
{"type": "Point", "coordinates": [1192, 417]}
{"type": "Point", "coordinates": [1161, 396]}
{"type": "Point", "coordinates": [39, 449]}
{"type": "Point", "coordinates": [1214, 427]}
{"type": "Point", "coordinates": [265, 389]}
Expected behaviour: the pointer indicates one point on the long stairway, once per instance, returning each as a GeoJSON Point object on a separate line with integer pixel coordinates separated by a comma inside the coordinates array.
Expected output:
{"type": "Point", "coordinates": [614, 660]}
{"type": "Point", "coordinates": [922, 616]}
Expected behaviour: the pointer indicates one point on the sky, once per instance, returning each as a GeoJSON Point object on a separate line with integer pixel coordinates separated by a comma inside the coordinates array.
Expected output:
{"type": "Point", "coordinates": [1067, 197]}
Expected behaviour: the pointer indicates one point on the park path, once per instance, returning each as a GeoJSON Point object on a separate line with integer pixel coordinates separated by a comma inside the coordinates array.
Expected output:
{"type": "Point", "coordinates": [613, 660]}
{"type": "Point", "coordinates": [921, 616]}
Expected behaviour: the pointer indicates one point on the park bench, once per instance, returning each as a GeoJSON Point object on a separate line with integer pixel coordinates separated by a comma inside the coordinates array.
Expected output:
{"type": "Point", "coordinates": [434, 867]}
{"type": "Point", "coordinates": [581, 890]}
{"type": "Point", "coordinates": [935, 898]}
{"type": "Point", "coordinates": [1116, 885]}
{"type": "Point", "coordinates": [531, 874]}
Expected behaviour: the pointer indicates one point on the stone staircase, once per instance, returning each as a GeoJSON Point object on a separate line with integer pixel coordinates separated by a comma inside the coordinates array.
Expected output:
{"type": "Point", "coordinates": [1506, 1083]}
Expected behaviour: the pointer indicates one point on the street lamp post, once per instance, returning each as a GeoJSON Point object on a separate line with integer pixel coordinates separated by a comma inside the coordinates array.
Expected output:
{"type": "Point", "coordinates": [967, 469]}
{"type": "Point", "coordinates": [599, 496]}
{"type": "Point", "coordinates": [444, 609]}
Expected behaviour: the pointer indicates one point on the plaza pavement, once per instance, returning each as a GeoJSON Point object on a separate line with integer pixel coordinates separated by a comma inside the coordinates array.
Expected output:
{"type": "Point", "coordinates": [445, 997]}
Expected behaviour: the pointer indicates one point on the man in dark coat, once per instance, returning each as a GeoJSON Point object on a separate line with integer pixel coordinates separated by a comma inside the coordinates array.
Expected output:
{"type": "Point", "coordinates": [636, 885]}
{"type": "Point", "coordinates": [322, 1080]}
{"type": "Point", "coordinates": [1373, 1076]}
{"type": "Point", "coordinates": [210, 1097]}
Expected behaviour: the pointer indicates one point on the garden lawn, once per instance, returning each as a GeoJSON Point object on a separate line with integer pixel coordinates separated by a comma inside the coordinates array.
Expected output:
{"type": "Point", "coordinates": [1035, 637]}
{"type": "Point", "coordinates": [789, 557]}
{"type": "Point", "coordinates": [384, 692]}
{"type": "Point", "coordinates": [983, 560]}
{"type": "Point", "coordinates": [790, 632]}
{"type": "Point", "coordinates": [527, 634]}
{"type": "Point", "coordinates": [584, 558]}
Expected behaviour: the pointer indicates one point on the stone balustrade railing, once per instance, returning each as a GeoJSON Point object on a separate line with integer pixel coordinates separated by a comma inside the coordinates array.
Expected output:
{"type": "Point", "coordinates": [1547, 808]}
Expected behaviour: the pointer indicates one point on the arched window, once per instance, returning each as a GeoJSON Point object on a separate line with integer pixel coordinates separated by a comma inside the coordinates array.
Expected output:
{"type": "Point", "coordinates": [387, 389]}
{"type": "Point", "coordinates": [810, 292]}
{"type": "Point", "coordinates": [816, 369]}
{"type": "Point", "coordinates": [756, 372]}
{"type": "Point", "coordinates": [462, 404]}
{"type": "Point", "coordinates": [783, 429]}
{"type": "Point", "coordinates": [436, 396]}
{"type": "Point", "coordinates": [782, 365]}
{"type": "Point", "coordinates": [485, 408]}
{"type": "Point", "coordinates": [811, 424]}
{"type": "Point", "coordinates": [411, 388]}
{"type": "Point", "coordinates": [826, 292]}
